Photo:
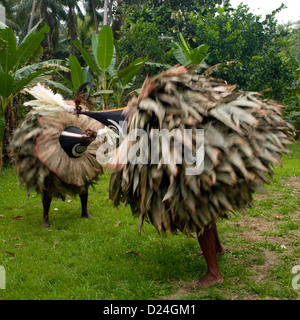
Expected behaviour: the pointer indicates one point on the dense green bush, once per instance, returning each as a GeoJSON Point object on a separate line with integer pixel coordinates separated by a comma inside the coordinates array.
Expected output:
{"type": "Point", "coordinates": [256, 45]}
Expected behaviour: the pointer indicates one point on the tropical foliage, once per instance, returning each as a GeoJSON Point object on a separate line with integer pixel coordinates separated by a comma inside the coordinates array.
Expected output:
{"type": "Point", "coordinates": [19, 66]}
{"type": "Point", "coordinates": [110, 78]}
{"type": "Point", "coordinates": [102, 69]}
{"type": "Point", "coordinates": [187, 56]}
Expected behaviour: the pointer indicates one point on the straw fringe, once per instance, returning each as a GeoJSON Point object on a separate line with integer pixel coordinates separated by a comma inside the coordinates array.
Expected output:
{"type": "Point", "coordinates": [244, 137]}
{"type": "Point", "coordinates": [40, 162]}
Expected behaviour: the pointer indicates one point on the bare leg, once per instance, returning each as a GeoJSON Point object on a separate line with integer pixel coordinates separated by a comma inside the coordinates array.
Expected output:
{"type": "Point", "coordinates": [208, 241]}
{"type": "Point", "coordinates": [219, 249]}
{"type": "Point", "coordinates": [46, 200]}
{"type": "Point", "coordinates": [84, 200]}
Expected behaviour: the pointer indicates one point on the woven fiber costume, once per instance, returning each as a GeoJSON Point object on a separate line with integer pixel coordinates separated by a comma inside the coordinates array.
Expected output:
{"type": "Point", "coordinates": [243, 137]}
{"type": "Point", "coordinates": [53, 152]}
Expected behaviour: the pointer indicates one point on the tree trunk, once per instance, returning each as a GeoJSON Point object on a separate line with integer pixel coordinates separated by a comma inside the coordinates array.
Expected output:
{"type": "Point", "coordinates": [72, 27]}
{"type": "Point", "coordinates": [31, 15]}
{"type": "Point", "coordinates": [110, 13]}
{"type": "Point", "coordinates": [118, 22]}
{"type": "Point", "coordinates": [48, 19]}
{"type": "Point", "coordinates": [95, 17]}
{"type": "Point", "coordinates": [105, 13]}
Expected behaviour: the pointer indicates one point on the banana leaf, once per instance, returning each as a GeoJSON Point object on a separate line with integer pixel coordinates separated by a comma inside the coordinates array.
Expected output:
{"type": "Point", "coordinates": [105, 47]}
{"type": "Point", "coordinates": [77, 75]}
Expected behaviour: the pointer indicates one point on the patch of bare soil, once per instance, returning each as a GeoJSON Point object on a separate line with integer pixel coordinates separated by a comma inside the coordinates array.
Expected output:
{"type": "Point", "coordinates": [182, 292]}
{"type": "Point", "coordinates": [185, 289]}
{"type": "Point", "coordinates": [255, 230]}
{"type": "Point", "coordinates": [264, 230]}
{"type": "Point", "coordinates": [261, 271]}
{"type": "Point", "coordinates": [294, 182]}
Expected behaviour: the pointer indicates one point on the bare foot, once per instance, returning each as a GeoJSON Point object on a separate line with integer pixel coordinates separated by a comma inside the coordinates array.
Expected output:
{"type": "Point", "coordinates": [86, 215]}
{"type": "Point", "coordinates": [46, 223]}
{"type": "Point", "coordinates": [210, 279]}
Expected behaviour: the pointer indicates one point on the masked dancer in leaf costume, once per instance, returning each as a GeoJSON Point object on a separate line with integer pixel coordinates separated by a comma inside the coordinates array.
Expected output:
{"type": "Point", "coordinates": [244, 137]}
{"type": "Point", "coordinates": [54, 151]}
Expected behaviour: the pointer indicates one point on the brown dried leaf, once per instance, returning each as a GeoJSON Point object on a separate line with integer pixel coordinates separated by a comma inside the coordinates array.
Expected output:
{"type": "Point", "coordinates": [11, 253]}
{"type": "Point", "coordinates": [135, 252]}
{"type": "Point", "coordinates": [243, 135]}
{"type": "Point", "coordinates": [17, 218]}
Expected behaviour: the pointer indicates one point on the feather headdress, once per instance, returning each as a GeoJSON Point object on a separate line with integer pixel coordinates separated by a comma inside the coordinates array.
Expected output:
{"type": "Point", "coordinates": [48, 102]}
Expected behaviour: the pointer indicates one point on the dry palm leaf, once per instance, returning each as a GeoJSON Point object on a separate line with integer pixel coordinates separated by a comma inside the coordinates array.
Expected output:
{"type": "Point", "coordinates": [42, 164]}
{"type": "Point", "coordinates": [243, 137]}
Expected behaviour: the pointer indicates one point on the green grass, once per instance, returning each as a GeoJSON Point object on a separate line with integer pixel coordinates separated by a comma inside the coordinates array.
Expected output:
{"type": "Point", "coordinates": [80, 258]}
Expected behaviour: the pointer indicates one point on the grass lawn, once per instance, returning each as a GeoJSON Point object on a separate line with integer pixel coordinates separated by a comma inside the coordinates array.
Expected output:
{"type": "Point", "coordinates": [105, 257]}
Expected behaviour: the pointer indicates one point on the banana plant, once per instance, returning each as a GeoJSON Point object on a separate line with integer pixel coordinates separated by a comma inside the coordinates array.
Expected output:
{"type": "Point", "coordinates": [110, 79]}
{"type": "Point", "coordinates": [18, 66]}
{"type": "Point", "coordinates": [78, 77]}
{"type": "Point", "coordinates": [187, 56]}
{"type": "Point", "coordinates": [122, 79]}
{"type": "Point", "coordinates": [12, 59]}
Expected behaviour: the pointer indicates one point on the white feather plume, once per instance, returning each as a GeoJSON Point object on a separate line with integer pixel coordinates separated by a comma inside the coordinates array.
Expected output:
{"type": "Point", "coordinates": [46, 101]}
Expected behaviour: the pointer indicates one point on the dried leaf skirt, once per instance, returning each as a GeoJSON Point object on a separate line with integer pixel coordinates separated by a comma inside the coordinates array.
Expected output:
{"type": "Point", "coordinates": [42, 164]}
{"type": "Point", "coordinates": [244, 137]}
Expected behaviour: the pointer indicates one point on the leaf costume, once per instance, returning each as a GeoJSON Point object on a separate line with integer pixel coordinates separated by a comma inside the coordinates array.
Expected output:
{"type": "Point", "coordinates": [38, 153]}
{"type": "Point", "coordinates": [244, 137]}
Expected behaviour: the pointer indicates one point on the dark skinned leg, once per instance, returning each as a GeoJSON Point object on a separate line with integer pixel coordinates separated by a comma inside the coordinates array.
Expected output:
{"type": "Point", "coordinates": [208, 244]}
{"type": "Point", "coordinates": [219, 249]}
{"type": "Point", "coordinates": [46, 200]}
{"type": "Point", "coordinates": [84, 200]}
